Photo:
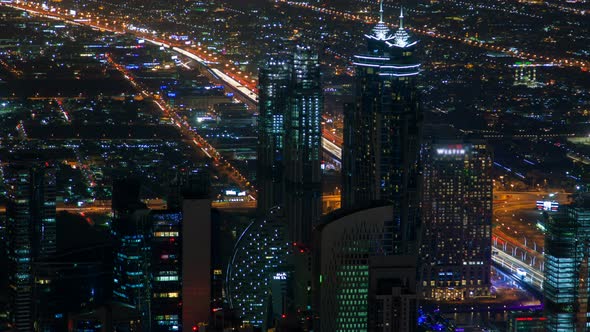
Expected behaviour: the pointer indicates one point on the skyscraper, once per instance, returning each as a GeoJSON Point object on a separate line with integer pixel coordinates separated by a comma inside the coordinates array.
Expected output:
{"type": "Point", "coordinates": [303, 136]}
{"type": "Point", "coordinates": [382, 131]}
{"type": "Point", "coordinates": [166, 270]}
{"type": "Point", "coordinates": [303, 170]}
{"type": "Point", "coordinates": [343, 245]}
{"type": "Point", "coordinates": [197, 250]}
{"type": "Point", "coordinates": [456, 219]}
{"type": "Point", "coordinates": [131, 230]}
{"type": "Point", "coordinates": [567, 250]}
{"type": "Point", "coordinates": [31, 237]}
{"type": "Point", "coordinates": [274, 78]}
{"type": "Point", "coordinates": [163, 259]}
{"type": "Point", "coordinates": [289, 172]}
{"type": "Point", "coordinates": [259, 257]}
{"type": "Point", "coordinates": [291, 105]}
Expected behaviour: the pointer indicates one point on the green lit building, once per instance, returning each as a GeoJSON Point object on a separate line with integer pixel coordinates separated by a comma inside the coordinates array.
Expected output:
{"type": "Point", "coordinates": [344, 243]}
{"type": "Point", "coordinates": [567, 247]}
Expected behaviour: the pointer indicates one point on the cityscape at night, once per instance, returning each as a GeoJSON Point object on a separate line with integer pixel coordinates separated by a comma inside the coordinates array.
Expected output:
{"type": "Point", "coordinates": [294, 165]}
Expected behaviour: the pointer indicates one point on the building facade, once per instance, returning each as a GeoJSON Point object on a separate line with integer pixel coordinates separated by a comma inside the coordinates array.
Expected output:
{"type": "Point", "coordinates": [274, 81]}
{"type": "Point", "coordinates": [197, 251]}
{"type": "Point", "coordinates": [30, 236]}
{"type": "Point", "coordinates": [393, 301]}
{"type": "Point", "coordinates": [343, 245]}
{"type": "Point", "coordinates": [131, 230]}
{"type": "Point", "coordinates": [163, 259]}
{"type": "Point", "coordinates": [382, 132]}
{"type": "Point", "coordinates": [457, 220]}
{"type": "Point", "coordinates": [166, 270]}
{"type": "Point", "coordinates": [260, 256]}
{"type": "Point", "coordinates": [289, 145]}
{"type": "Point", "coordinates": [303, 136]}
{"type": "Point", "coordinates": [567, 249]}
{"type": "Point", "coordinates": [289, 158]}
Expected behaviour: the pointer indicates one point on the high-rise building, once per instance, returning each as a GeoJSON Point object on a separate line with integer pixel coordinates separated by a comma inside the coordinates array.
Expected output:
{"type": "Point", "coordinates": [289, 172]}
{"type": "Point", "coordinates": [163, 259]}
{"type": "Point", "coordinates": [197, 251]}
{"type": "Point", "coordinates": [343, 244]}
{"type": "Point", "coordinates": [393, 301]}
{"type": "Point", "coordinates": [30, 234]}
{"type": "Point", "coordinates": [567, 250]}
{"type": "Point", "coordinates": [303, 197]}
{"type": "Point", "coordinates": [274, 78]}
{"type": "Point", "coordinates": [131, 231]}
{"type": "Point", "coordinates": [382, 132]}
{"type": "Point", "coordinates": [258, 267]}
{"type": "Point", "coordinates": [303, 136]}
{"type": "Point", "coordinates": [166, 270]}
{"type": "Point", "coordinates": [291, 104]}
{"type": "Point", "coordinates": [456, 220]}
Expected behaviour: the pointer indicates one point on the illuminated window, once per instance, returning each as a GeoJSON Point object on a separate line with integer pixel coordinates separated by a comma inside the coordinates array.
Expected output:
{"type": "Point", "coordinates": [165, 234]}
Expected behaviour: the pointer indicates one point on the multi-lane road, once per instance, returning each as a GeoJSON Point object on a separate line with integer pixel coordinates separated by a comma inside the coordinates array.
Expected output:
{"type": "Point", "coordinates": [518, 242]}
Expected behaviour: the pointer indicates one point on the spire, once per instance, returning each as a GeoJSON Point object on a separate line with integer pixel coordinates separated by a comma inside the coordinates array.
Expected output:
{"type": "Point", "coordinates": [380, 31]}
{"type": "Point", "coordinates": [401, 18]}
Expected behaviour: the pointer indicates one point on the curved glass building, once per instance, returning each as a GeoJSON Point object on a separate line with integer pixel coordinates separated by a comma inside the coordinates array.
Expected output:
{"type": "Point", "coordinates": [256, 276]}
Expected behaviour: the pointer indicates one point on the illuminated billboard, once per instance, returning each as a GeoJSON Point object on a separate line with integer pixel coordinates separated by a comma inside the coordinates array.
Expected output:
{"type": "Point", "coordinates": [547, 206]}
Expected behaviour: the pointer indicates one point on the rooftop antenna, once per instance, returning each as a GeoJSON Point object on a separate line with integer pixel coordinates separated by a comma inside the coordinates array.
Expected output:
{"type": "Point", "coordinates": [401, 18]}
{"type": "Point", "coordinates": [380, 11]}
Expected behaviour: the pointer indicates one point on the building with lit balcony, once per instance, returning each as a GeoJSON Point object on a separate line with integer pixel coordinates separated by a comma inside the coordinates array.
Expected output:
{"type": "Point", "coordinates": [166, 270]}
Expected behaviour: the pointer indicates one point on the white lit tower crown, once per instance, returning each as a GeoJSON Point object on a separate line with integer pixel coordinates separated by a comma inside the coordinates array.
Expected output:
{"type": "Point", "coordinates": [391, 54]}
{"type": "Point", "coordinates": [382, 130]}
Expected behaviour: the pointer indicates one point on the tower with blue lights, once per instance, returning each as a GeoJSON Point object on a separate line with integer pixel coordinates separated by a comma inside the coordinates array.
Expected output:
{"type": "Point", "coordinates": [30, 238]}
{"type": "Point", "coordinates": [382, 132]}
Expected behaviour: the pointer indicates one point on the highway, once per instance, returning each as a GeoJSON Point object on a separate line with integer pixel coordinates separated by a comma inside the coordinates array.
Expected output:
{"type": "Point", "coordinates": [332, 148]}
{"type": "Point", "coordinates": [223, 166]}
{"type": "Point", "coordinates": [517, 241]}
{"type": "Point", "coordinates": [247, 90]}
{"type": "Point", "coordinates": [533, 275]}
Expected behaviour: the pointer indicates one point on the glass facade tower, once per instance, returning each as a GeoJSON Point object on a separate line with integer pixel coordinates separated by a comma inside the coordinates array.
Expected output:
{"type": "Point", "coordinates": [566, 288]}
{"type": "Point", "coordinates": [274, 79]}
{"type": "Point", "coordinates": [30, 235]}
{"type": "Point", "coordinates": [289, 171]}
{"type": "Point", "coordinates": [302, 146]}
{"type": "Point", "coordinates": [131, 231]}
{"type": "Point", "coordinates": [382, 131]}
